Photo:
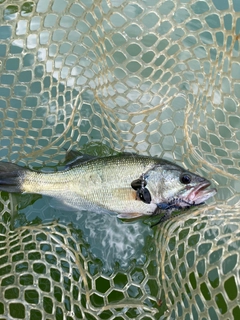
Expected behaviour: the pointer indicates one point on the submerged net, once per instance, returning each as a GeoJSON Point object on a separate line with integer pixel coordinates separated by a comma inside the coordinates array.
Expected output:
{"type": "Point", "coordinates": [153, 77]}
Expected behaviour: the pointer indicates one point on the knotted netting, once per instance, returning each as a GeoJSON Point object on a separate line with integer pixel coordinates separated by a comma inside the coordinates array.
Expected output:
{"type": "Point", "coordinates": [153, 77]}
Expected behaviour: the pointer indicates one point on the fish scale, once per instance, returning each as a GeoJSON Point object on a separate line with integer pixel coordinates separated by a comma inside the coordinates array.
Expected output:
{"type": "Point", "coordinates": [111, 183]}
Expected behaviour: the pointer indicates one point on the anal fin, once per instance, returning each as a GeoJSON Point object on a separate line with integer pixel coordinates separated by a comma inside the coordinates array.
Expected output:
{"type": "Point", "coordinates": [58, 204]}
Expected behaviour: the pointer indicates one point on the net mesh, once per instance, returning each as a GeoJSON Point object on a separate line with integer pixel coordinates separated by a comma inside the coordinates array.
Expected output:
{"type": "Point", "coordinates": [154, 77]}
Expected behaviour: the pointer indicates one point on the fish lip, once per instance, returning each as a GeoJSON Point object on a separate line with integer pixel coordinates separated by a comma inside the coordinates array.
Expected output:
{"type": "Point", "coordinates": [200, 193]}
{"type": "Point", "coordinates": [202, 186]}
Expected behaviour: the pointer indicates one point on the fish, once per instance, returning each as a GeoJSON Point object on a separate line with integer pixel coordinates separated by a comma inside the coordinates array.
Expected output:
{"type": "Point", "coordinates": [130, 185]}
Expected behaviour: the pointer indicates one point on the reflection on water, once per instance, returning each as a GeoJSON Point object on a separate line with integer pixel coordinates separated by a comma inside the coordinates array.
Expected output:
{"type": "Point", "coordinates": [116, 243]}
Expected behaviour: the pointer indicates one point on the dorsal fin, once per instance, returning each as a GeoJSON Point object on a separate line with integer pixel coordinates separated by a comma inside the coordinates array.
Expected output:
{"type": "Point", "coordinates": [74, 158]}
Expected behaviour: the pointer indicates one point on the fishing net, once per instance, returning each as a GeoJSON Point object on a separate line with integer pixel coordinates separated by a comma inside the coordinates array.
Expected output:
{"type": "Point", "coordinates": [153, 77]}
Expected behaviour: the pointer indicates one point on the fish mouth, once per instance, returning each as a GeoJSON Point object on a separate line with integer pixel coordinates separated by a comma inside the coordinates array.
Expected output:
{"type": "Point", "coordinates": [200, 193]}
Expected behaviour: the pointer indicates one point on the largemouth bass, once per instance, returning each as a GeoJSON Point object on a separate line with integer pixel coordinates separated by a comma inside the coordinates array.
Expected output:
{"type": "Point", "coordinates": [128, 184]}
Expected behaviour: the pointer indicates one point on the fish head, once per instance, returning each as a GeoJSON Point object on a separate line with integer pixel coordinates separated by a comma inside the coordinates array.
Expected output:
{"type": "Point", "coordinates": [172, 186]}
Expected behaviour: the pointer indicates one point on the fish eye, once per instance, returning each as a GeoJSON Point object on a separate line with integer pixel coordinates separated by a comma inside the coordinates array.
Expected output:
{"type": "Point", "coordinates": [185, 178]}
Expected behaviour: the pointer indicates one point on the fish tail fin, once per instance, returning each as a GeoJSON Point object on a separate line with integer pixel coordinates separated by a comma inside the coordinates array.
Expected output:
{"type": "Point", "coordinates": [11, 177]}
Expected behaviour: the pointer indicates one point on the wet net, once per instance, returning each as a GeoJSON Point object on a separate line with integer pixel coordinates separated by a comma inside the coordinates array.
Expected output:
{"type": "Point", "coordinates": [153, 77]}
